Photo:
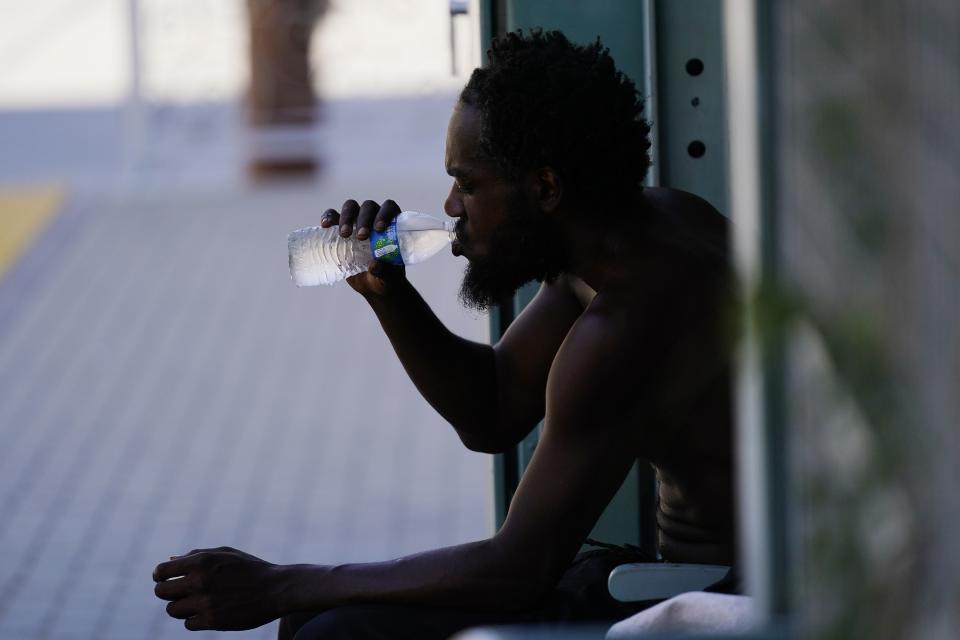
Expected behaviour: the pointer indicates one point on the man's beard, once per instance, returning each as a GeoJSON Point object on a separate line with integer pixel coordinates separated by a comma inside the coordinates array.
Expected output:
{"type": "Point", "coordinates": [527, 246]}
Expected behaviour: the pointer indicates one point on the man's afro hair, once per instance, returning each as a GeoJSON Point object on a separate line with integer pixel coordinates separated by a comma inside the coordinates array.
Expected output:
{"type": "Point", "coordinates": [544, 101]}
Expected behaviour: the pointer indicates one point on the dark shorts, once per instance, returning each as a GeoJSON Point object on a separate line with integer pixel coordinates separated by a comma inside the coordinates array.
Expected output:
{"type": "Point", "coordinates": [580, 596]}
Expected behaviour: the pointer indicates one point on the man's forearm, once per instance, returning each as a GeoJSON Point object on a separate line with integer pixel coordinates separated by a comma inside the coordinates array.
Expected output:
{"type": "Point", "coordinates": [442, 365]}
{"type": "Point", "coordinates": [470, 576]}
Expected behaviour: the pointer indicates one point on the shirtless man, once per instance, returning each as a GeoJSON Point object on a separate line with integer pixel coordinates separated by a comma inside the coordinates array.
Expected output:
{"type": "Point", "coordinates": [624, 353]}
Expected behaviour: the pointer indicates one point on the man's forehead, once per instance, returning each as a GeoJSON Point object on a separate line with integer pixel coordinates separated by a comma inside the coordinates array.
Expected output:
{"type": "Point", "coordinates": [466, 117]}
{"type": "Point", "coordinates": [463, 153]}
{"type": "Point", "coordinates": [466, 166]}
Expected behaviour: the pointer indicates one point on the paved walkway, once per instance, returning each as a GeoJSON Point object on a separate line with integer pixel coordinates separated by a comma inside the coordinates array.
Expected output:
{"type": "Point", "coordinates": [163, 385]}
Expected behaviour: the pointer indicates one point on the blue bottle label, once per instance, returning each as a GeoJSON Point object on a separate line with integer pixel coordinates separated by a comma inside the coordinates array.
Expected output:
{"type": "Point", "coordinates": [385, 245]}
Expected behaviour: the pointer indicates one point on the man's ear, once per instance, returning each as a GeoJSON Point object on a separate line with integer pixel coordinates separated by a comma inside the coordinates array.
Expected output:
{"type": "Point", "coordinates": [545, 189]}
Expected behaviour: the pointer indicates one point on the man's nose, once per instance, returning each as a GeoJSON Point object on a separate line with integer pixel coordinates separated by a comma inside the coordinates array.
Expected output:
{"type": "Point", "coordinates": [453, 205]}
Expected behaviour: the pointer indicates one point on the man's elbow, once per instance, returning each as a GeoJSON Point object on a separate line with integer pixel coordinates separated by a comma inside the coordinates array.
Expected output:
{"type": "Point", "coordinates": [482, 444]}
{"type": "Point", "coordinates": [494, 440]}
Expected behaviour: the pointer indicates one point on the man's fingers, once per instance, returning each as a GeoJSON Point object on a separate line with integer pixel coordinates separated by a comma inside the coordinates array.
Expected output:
{"type": "Point", "coordinates": [187, 607]}
{"type": "Point", "coordinates": [176, 568]}
{"type": "Point", "coordinates": [348, 215]}
{"type": "Point", "coordinates": [202, 622]}
{"type": "Point", "coordinates": [329, 218]}
{"type": "Point", "coordinates": [388, 212]}
{"type": "Point", "coordinates": [365, 218]}
{"type": "Point", "coordinates": [175, 588]}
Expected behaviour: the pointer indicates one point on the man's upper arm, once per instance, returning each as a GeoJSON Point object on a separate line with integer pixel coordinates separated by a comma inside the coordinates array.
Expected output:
{"type": "Point", "coordinates": [525, 353]}
{"type": "Point", "coordinates": [585, 452]}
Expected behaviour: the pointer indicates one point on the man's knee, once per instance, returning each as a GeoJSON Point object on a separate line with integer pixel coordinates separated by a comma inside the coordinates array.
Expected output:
{"type": "Point", "coordinates": [291, 624]}
{"type": "Point", "coordinates": [386, 622]}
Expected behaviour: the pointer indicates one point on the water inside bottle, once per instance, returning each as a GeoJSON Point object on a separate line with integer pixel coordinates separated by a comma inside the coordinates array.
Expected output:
{"type": "Point", "coordinates": [321, 256]}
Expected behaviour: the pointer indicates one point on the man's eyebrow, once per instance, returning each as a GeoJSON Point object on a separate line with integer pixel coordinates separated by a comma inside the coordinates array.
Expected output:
{"type": "Point", "coordinates": [457, 172]}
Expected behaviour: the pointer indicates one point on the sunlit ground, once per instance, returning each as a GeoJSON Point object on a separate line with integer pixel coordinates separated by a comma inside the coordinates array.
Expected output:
{"type": "Point", "coordinates": [163, 386]}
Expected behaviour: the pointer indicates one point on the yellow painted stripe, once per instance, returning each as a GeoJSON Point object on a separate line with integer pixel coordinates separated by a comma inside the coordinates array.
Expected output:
{"type": "Point", "coordinates": [25, 211]}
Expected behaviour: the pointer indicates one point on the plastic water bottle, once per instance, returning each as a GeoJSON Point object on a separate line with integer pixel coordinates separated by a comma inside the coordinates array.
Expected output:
{"type": "Point", "coordinates": [322, 256]}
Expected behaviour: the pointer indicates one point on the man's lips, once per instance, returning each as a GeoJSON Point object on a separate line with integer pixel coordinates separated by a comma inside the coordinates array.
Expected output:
{"type": "Point", "coordinates": [460, 240]}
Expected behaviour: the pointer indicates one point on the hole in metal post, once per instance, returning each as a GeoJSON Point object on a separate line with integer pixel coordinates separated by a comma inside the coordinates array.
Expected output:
{"type": "Point", "coordinates": [694, 66]}
{"type": "Point", "coordinates": [696, 149]}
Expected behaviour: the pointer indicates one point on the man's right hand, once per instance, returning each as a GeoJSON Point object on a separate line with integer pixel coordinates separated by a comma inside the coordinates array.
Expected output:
{"type": "Point", "coordinates": [378, 280]}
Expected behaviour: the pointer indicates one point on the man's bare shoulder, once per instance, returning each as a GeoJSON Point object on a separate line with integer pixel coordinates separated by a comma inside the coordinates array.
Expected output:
{"type": "Point", "coordinates": [615, 324]}
{"type": "Point", "coordinates": [679, 201]}
{"type": "Point", "coordinates": [690, 212]}
{"type": "Point", "coordinates": [594, 370]}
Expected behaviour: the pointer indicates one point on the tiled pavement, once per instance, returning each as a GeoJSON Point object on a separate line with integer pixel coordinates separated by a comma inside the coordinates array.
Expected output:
{"type": "Point", "coordinates": [163, 386]}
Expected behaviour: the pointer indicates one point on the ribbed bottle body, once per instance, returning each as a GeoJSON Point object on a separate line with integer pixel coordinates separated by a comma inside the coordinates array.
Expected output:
{"type": "Point", "coordinates": [321, 256]}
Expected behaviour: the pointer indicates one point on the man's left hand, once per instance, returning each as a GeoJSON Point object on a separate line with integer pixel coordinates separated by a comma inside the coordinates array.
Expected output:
{"type": "Point", "coordinates": [223, 589]}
